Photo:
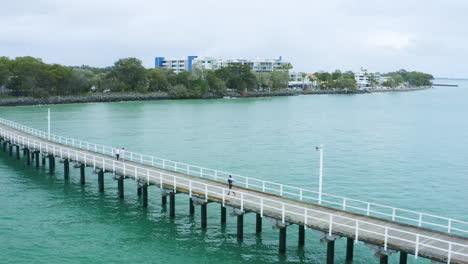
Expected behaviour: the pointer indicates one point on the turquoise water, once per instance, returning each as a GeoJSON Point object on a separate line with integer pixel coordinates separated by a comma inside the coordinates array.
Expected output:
{"type": "Point", "coordinates": [401, 149]}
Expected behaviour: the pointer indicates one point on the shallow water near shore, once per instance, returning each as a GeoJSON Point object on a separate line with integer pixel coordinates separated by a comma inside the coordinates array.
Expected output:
{"type": "Point", "coordinates": [401, 149]}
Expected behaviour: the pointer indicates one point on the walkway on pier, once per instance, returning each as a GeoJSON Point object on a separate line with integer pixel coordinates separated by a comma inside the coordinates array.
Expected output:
{"type": "Point", "coordinates": [331, 223]}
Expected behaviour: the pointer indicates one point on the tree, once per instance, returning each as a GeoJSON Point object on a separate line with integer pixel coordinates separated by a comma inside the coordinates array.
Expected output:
{"type": "Point", "coordinates": [279, 80]}
{"type": "Point", "coordinates": [286, 67]}
{"type": "Point", "coordinates": [128, 75]}
{"type": "Point", "coordinates": [215, 84]}
{"type": "Point", "coordinates": [158, 79]}
{"type": "Point", "coordinates": [237, 76]}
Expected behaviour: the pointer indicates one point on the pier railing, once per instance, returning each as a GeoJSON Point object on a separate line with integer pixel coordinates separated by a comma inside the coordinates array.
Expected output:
{"type": "Point", "coordinates": [344, 203]}
{"type": "Point", "coordinates": [331, 223]}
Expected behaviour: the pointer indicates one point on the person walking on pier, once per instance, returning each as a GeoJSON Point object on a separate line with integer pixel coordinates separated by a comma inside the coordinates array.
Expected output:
{"type": "Point", "coordinates": [117, 153]}
{"type": "Point", "coordinates": [122, 153]}
{"type": "Point", "coordinates": [230, 181]}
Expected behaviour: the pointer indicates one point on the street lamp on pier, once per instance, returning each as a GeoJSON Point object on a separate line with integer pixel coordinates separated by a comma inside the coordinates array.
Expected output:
{"type": "Point", "coordinates": [320, 149]}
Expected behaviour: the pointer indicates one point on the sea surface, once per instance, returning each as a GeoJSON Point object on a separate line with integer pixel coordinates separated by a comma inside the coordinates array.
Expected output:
{"type": "Point", "coordinates": [407, 149]}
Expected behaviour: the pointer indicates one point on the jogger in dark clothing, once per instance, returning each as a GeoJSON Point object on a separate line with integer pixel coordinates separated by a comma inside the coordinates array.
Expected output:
{"type": "Point", "coordinates": [230, 181]}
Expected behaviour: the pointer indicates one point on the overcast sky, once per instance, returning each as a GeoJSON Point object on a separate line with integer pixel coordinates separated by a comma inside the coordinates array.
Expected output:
{"type": "Point", "coordinates": [381, 35]}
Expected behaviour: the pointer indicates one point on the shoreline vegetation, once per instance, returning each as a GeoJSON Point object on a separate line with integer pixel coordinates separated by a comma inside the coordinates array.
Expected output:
{"type": "Point", "coordinates": [30, 81]}
{"type": "Point", "coordinates": [133, 97]}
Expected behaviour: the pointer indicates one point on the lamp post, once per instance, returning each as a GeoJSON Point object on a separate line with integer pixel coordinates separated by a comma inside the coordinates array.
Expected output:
{"type": "Point", "coordinates": [320, 148]}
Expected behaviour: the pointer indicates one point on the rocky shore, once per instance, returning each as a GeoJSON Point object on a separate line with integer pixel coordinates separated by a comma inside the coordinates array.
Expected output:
{"type": "Point", "coordinates": [120, 97]}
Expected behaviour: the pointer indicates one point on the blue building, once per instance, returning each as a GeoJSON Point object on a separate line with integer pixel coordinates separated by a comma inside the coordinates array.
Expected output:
{"type": "Point", "coordinates": [177, 65]}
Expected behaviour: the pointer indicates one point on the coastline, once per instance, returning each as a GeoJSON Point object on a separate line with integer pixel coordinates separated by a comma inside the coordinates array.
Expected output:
{"type": "Point", "coordinates": [128, 97]}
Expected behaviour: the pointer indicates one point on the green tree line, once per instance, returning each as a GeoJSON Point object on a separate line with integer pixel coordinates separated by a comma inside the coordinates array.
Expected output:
{"type": "Point", "coordinates": [28, 76]}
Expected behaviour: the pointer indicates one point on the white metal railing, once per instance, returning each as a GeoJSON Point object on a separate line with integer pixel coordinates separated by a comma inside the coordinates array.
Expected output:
{"type": "Point", "coordinates": [348, 204]}
{"type": "Point", "coordinates": [264, 203]}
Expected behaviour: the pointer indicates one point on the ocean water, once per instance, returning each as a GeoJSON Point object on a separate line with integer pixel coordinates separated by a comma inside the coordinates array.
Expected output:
{"type": "Point", "coordinates": [404, 149]}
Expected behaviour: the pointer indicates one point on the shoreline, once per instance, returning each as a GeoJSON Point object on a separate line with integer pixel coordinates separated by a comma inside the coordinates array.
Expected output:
{"type": "Point", "coordinates": [132, 97]}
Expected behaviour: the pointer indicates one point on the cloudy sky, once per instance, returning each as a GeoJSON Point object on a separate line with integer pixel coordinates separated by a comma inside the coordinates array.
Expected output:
{"type": "Point", "coordinates": [381, 35]}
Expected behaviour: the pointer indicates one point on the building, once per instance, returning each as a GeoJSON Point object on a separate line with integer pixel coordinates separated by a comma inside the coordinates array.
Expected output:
{"type": "Point", "coordinates": [186, 64]}
{"type": "Point", "coordinates": [301, 80]}
{"type": "Point", "coordinates": [366, 80]}
{"type": "Point", "coordinates": [257, 65]}
{"type": "Point", "coordinates": [177, 65]}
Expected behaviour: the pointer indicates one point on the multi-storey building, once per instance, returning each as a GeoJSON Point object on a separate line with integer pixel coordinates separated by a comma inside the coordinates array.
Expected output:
{"type": "Point", "coordinates": [177, 65]}
{"type": "Point", "coordinates": [185, 64]}
{"type": "Point", "coordinates": [257, 65]}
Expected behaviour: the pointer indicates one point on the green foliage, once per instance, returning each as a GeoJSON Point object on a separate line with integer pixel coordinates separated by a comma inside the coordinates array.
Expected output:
{"type": "Point", "coordinates": [413, 78]}
{"type": "Point", "coordinates": [128, 75]}
{"type": "Point", "coordinates": [237, 76]}
{"type": "Point", "coordinates": [337, 79]}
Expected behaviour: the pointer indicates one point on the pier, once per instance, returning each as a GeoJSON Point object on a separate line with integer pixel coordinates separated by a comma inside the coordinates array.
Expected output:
{"type": "Point", "coordinates": [385, 230]}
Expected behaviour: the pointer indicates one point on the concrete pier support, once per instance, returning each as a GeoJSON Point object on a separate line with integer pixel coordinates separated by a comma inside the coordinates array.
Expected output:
{"type": "Point", "coordinates": [384, 259]}
{"type": "Point", "coordinates": [191, 207]}
{"type": "Point", "coordinates": [282, 240]}
{"type": "Point", "coordinates": [172, 204]}
{"type": "Point", "coordinates": [144, 194]}
{"type": "Point", "coordinates": [66, 168]}
{"type": "Point", "coordinates": [17, 152]}
{"type": "Point", "coordinates": [101, 180]}
{"type": "Point", "coordinates": [28, 156]}
{"type": "Point", "coordinates": [349, 249]}
{"type": "Point", "coordinates": [330, 252]}
{"type": "Point", "coordinates": [36, 154]}
{"type": "Point", "coordinates": [240, 227]}
{"type": "Point", "coordinates": [43, 160]}
{"type": "Point", "coordinates": [139, 191]}
{"type": "Point", "coordinates": [223, 214]}
{"type": "Point", "coordinates": [301, 239]}
{"type": "Point", "coordinates": [204, 210]}
{"type": "Point", "coordinates": [403, 257]}
{"type": "Point", "coordinates": [82, 174]}
{"type": "Point", "coordinates": [4, 146]}
{"type": "Point", "coordinates": [51, 162]}
{"type": "Point", "coordinates": [258, 224]}
{"type": "Point", "coordinates": [120, 186]}
{"type": "Point", "coordinates": [381, 252]}
{"type": "Point", "coordinates": [330, 240]}
{"type": "Point", "coordinates": [10, 149]}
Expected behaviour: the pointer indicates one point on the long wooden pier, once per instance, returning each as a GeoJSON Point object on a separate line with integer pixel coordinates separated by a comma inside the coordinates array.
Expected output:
{"type": "Point", "coordinates": [384, 236]}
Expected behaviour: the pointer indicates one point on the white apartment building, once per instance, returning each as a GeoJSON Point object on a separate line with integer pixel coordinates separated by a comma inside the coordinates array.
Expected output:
{"type": "Point", "coordinates": [301, 80]}
{"type": "Point", "coordinates": [178, 65]}
{"type": "Point", "coordinates": [364, 79]}
{"type": "Point", "coordinates": [257, 65]}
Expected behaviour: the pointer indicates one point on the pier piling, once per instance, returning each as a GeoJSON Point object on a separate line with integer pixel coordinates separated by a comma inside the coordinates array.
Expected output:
{"type": "Point", "coordinates": [164, 200]}
{"type": "Point", "coordinates": [330, 252]}
{"type": "Point", "coordinates": [66, 168]}
{"type": "Point", "coordinates": [282, 240]}
{"type": "Point", "coordinates": [139, 191]}
{"type": "Point", "coordinates": [403, 257]}
{"type": "Point", "coordinates": [101, 180]}
{"type": "Point", "coordinates": [172, 204]}
{"type": "Point", "coordinates": [383, 259]}
{"type": "Point", "coordinates": [82, 173]}
{"type": "Point", "coordinates": [43, 160]}
{"type": "Point", "coordinates": [301, 240]}
{"type": "Point", "coordinates": [120, 186]}
{"type": "Point", "coordinates": [258, 224]}
{"type": "Point", "coordinates": [28, 157]}
{"type": "Point", "coordinates": [223, 214]}
{"type": "Point", "coordinates": [191, 207]}
{"type": "Point", "coordinates": [144, 192]}
{"type": "Point", "coordinates": [240, 227]}
{"type": "Point", "coordinates": [36, 154]}
{"type": "Point", "coordinates": [349, 249]}
{"type": "Point", "coordinates": [203, 215]}
{"type": "Point", "coordinates": [10, 149]}
{"type": "Point", "coordinates": [17, 152]}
